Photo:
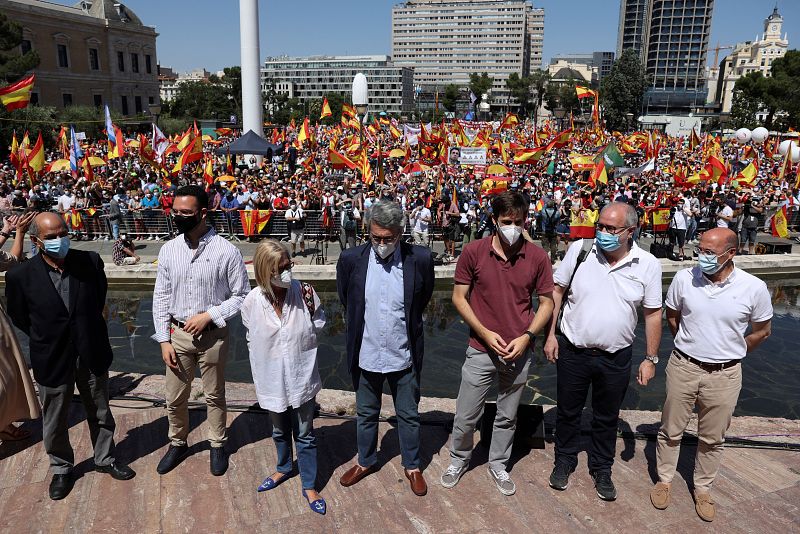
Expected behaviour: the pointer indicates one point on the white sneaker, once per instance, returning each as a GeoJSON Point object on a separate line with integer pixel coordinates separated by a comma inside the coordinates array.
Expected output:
{"type": "Point", "coordinates": [503, 482]}
{"type": "Point", "coordinates": [452, 475]}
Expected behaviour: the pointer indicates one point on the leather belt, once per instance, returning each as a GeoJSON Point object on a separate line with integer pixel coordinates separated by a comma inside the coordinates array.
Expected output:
{"type": "Point", "coordinates": [211, 326]}
{"type": "Point", "coordinates": [591, 351]}
{"type": "Point", "coordinates": [706, 366]}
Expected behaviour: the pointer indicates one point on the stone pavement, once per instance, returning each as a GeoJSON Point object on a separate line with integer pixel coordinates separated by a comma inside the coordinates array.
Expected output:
{"type": "Point", "coordinates": [756, 491]}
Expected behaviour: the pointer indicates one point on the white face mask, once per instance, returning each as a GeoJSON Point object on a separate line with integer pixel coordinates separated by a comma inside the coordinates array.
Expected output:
{"type": "Point", "coordinates": [283, 280]}
{"type": "Point", "coordinates": [384, 250]}
{"type": "Point", "coordinates": [510, 233]}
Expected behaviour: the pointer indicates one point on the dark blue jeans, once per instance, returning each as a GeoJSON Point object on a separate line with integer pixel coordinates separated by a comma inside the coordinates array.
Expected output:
{"type": "Point", "coordinates": [297, 423]}
{"type": "Point", "coordinates": [404, 386]}
{"type": "Point", "coordinates": [608, 375]}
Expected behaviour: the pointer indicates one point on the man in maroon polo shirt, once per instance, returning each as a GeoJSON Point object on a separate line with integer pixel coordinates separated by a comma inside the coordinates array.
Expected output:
{"type": "Point", "coordinates": [495, 279]}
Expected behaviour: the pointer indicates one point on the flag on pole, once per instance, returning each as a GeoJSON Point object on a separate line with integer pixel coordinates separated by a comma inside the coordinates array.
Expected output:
{"type": "Point", "coordinates": [36, 157]}
{"type": "Point", "coordinates": [780, 223]}
{"type": "Point", "coordinates": [17, 95]}
{"type": "Point", "coordinates": [75, 152]}
{"type": "Point", "coordinates": [326, 109]}
{"type": "Point", "coordinates": [599, 175]}
{"type": "Point", "coordinates": [509, 121]}
{"type": "Point", "coordinates": [110, 127]}
{"type": "Point", "coordinates": [748, 175]}
{"type": "Point", "coordinates": [339, 161]}
{"type": "Point", "coordinates": [160, 143]}
{"type": "Point", "coordinates": [584, 92]}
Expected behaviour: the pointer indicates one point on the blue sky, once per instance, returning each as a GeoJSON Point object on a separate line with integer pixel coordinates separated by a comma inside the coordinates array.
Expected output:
{"type": "Point", "coordinates": [205, 33]}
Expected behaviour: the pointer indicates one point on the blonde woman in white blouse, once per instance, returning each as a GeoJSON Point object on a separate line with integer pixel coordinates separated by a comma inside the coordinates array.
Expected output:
{"type": "Point", "coordinates": [283, 317]}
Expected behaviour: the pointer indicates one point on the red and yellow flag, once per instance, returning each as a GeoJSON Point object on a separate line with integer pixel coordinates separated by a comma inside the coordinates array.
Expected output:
{"type": "Point", "coordinates": [348, 111]}
{"type": "Point", "coordinates": [17, 95]}
{"type": "Point", "coordinates": [599, 175]}
{"type": "Point", "coordinates": [339, 161]}
{"type": "Point", "coordinates": [528, 156]}
{"type": "Point", "coordinates": [581, 224]}
{"type": "Point", "coordinates": [303, 134]}
{"type": "Point", "coordinates": [208, 172]}
{"type": "Point", "coordinates": [509, 121]}
{"type": "Point", "coordinates": [36, 156]}
{"type": "Point", "coordinates": [326, 109]}
{"type": "Point", "coordinates": [694, 140]}
{"type": "Point", "coordinates": [748, 175]}
{"type": "Point", "coordinates": [584, 92]}
{"type": "Point", "coordinates": [366, 169]}
{"type": "Point", "coordinates": [780, 223]}
{"type": "Point", "coordinates": [193, 152]}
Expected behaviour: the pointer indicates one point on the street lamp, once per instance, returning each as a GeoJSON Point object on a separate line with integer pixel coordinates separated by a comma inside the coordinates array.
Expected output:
{"type": "Point", "coordinates": [629, 117]}
{"type": "Point", "coordinates": [155, 110]}
{"type": "Point", "coordinates": [360, 99]}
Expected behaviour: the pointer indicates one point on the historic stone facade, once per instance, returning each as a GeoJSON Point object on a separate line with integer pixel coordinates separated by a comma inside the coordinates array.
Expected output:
{"type": "Point", "coordinates": [93, 53]}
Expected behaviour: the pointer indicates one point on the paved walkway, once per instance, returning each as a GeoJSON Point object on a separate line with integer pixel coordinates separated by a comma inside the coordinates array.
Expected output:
{"type": "Point", "coordinates": [756, 491]}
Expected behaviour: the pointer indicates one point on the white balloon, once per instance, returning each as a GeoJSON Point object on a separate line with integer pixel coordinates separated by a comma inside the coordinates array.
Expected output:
{"type": "Point", "coordinates": [783, 148]}
{"type": "Point", "coordinates": [759, 135]}
{"type": "Point", "coordinates": [743, 135]}
{"type": "Point", "coordinates": [795, 153]}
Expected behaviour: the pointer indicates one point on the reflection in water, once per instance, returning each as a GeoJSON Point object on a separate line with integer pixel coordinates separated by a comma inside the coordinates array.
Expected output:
{"type": "Point", "coordinates": [769, 385]}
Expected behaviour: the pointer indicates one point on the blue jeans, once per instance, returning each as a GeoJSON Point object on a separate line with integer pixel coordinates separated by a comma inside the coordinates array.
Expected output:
{"type": "Point", "coordinates": [691, 229]}
{"type": "Point", "coordinates": [608, 375]}
{"type": "Point", "coordinates": [115, 230]}
{"type": "Point", "coordinates": [404, 386]}
{"type": "Point", "coordinates": [297, 423]}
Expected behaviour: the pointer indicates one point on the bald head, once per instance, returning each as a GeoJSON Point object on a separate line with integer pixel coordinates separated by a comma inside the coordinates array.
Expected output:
{"type": "Point", "coordinates": [719, 240]}
{"type": "Point", "coordinates": [48, 225]}
{"type": "Point", "coordinates": [619, 214]}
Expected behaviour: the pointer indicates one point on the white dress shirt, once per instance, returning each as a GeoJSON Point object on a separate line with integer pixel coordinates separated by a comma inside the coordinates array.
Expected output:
{"type": "Point", "coordinates": [211, 278]}
{"type": "Point", "coordinates": [283, 350]}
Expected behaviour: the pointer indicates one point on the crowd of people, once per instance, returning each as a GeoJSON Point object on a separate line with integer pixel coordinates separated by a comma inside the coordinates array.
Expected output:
{"type": "Point", "coordinates": [385, 283]}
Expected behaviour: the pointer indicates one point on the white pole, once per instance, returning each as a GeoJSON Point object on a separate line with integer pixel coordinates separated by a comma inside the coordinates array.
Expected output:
{"type": "Point", "coordinates": [252, 117]}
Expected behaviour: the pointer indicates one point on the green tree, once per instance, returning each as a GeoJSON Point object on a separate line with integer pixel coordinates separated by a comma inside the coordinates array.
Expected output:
{"type": "Point", "coordinates": [749, 95]}
{"type": "Point", "coordinates": [232, 80]}
{"type": "Point", "coordinates": [479, 84]}
{"type": "Point", "coordinates": [562, 95]}
{"type": "Point", "coordinates": [13, 64]}
{"type": "Point", "coordinates": [450, 97]}
{"type": "Point", "coordinates": [519, 87]}
{"type": "Point", "coordinates": [202, 100]}
{"type": "Point", "coordinates": [623, 89]}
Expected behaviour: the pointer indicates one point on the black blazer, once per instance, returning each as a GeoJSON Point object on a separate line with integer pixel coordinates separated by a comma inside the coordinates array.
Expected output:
{"type": "Point", "coordinates": [59, 335]}
{"type": "Point", "coordinates": [351, 279]}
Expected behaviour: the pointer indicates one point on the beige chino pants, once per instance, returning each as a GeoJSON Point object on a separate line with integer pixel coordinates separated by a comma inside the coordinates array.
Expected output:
{"type": "Point", "coordinates": [715, 395]}
{"type": "Point", "coordinates": [209, 351]}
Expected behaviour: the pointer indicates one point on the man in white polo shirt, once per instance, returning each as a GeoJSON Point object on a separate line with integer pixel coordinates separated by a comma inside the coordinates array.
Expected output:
{"type": "Point", "coordinates": [595, 348]}
{"type": "Point", "coordinates": [709, 308]}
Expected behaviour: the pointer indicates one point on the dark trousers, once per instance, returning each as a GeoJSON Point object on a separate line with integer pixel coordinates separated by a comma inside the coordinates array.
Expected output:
{"type": "Point", "coordinates": [404, 386]}
{"type": "Point", "coordinates": [608, 375]}
{"type": "Point", "coordinates": [56, 401]}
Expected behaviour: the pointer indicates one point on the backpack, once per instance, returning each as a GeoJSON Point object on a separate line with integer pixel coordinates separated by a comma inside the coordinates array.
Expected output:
{"type": "Point", "coordinates": [308, 297]}
{"type": "Point", "coordinates": [349, 222]}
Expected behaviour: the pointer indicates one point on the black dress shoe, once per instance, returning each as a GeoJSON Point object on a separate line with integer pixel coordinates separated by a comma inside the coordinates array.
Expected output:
{"type": "Point", "coordinates": [61, 485]}
{"type": "Point", "coordinates": [175, 455]}
{"type": "Point", "coordinates": [219, 461]}
{"type": "Point", "coordinates": [116, 470]}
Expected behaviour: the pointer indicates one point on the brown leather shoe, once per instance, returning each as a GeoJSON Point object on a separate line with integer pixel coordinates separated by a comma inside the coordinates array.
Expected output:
{"type": "Point", "coordinates": [355, 474]}
{"type": "Point", "coordinates": [418, 485]}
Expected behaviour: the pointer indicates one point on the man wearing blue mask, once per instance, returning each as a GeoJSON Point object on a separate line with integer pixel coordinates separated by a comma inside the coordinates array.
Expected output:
{"type": "Point", "coordinates": [57, 299]}
{"type": "Point", "coordinates": [705, 370]}
{"type": "Point", "coordinates": [601, 288]}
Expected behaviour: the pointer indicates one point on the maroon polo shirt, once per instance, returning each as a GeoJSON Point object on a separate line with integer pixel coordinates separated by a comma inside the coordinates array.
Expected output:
{"type": "Point", "coordinates": [500, 291]}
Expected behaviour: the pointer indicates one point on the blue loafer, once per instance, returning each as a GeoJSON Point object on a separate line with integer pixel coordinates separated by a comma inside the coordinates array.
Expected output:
{"type": "Point", "coordinates": [269, 483]}
{"type": "Point", "coordinates": [319, 506]}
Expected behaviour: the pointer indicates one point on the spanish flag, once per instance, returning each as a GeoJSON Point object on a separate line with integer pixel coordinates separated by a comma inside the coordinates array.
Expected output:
{"type": "Point", "coordinates": [338, 161]}
{"type": "Point", "coordinates": [660, 218]}
{"type": "Point", "coordinates": [599, 175]}
{"type": "Point", "coordinates": [584, 92]}
{"type": "Point", "coordinates": [581, 224]}
{"type": "Point", "coordinates": [36, 156]}
{"type": "Point", "coordinates": [193, 152]}
{"type": "Point", "coordinates": [208, 172]}
{"type": "Point", "coordinates": [748, 175]}
{"type": "Point", "coordinates": [510, 121]}
{"type": "Point", "coordinates": [17, 95]}
{"type": "Point", "coordinates": [397, 134]}
{"type": "Point", "coordinates": [348, 111]}
{"type": "Point", "coordinates": [326, 109]}
{"type": "Point", "coordinates": [366, 170]}
{"type": "Point", "coordinates": [780, 224]}
{"type": "Point", "coordinates": [694, 140]}
{"type": "Point", "coordinates": [559, 141]}
{"type": "Point", "coordinates": [303, 134]}
{"type": "Point", "coordinates": [528, 156]}
{"type": "Point", "coordinates": [493, 186]}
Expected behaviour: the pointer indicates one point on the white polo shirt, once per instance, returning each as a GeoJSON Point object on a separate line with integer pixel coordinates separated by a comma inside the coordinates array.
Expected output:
{"type": "Point", "coordinates": [601, 310]}
{"type": "Point", "coordinates": [714, 317]}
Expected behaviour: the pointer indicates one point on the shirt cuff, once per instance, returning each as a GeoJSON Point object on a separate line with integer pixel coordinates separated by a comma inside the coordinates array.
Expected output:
{"type": "Point", "coordinates": [217, 317]}
{"type": "Point", "coordinates": [161, 337]}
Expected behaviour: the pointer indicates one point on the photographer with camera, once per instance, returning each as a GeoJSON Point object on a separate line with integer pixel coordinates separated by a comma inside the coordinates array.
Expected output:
{"type": "Point", "coordinates": [348, 224]}
{"type": "Point", "coordinates": [750, 209]}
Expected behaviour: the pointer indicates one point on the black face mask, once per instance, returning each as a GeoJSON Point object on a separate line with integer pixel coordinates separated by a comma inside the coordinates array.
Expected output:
{"type": "Point", "coordinates": [186, 224]}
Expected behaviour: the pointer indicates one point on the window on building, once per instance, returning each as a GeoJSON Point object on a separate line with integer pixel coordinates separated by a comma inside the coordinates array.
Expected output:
{"type": "Point", "coordinates": [94, 59]}
{"type": "Point", "coordinates": [98, 101]}
{"type": "Point", "coordinates": [137, 104]}
{"type": "Point", "coordinates": [67, 98]}
{"type": "Point", "coordinates": [150, 100]}
{"type": "Point", "coordinates": [124, 105]}
{"type": "Point", "coordinates": [63, 58]}
{"type": "Point", "coordinates": [148, 64]}
{"type": "Point", "coordinates": [25, 46]}
{"type": "Point", "coordinates": [121, 61]}
{"type": "Point", "coordinates": [134, 62]}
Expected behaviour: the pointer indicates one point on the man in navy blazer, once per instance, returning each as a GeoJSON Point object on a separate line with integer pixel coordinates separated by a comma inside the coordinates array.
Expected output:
{"type": "Point", "coordinates": [384, 286]}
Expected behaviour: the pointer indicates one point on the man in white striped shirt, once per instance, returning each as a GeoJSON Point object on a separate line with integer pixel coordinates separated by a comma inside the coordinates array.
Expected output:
{"type": "Point", "coordinates": [201, 284]}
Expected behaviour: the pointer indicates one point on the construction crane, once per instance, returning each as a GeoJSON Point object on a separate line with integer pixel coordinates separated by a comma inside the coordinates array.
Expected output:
{"type": "Point", "coordinates": [716, 52]}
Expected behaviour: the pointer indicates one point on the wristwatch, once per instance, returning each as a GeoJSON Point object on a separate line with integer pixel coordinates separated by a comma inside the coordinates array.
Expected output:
{"type": "Point", "coordinates": [652, 357]}
{"type": "Point", "coordinates": [531, 335]}
{"type": "Point", "coordinates": [5, 234]}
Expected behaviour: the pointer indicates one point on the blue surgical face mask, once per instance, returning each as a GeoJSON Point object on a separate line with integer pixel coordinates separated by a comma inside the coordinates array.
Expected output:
{"type": "Point", "coordinates": [709, 263]}
{"type": "Point", "coordinates": [56, 247]}
{"type": "Point", "coordinates": [607, 242]}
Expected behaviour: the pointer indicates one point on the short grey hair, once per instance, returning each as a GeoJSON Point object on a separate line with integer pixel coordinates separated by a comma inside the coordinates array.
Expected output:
{"type": "Point", "coordinates": [33, 231]}
{"type": "Point", "coordinates": [387, 214]}
{"type": "Point", "coordinates": [631, 217]}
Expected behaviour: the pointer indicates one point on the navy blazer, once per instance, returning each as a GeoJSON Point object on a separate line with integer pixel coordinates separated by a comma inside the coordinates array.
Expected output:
{"type": "Point", "coordinates": [60, 334]}
{"type": "Point", "coordinates": [351, 279]}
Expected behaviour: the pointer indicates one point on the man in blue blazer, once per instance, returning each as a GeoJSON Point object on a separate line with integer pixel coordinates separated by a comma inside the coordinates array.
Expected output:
{"type": "Point", "coordinates": [384, 286]}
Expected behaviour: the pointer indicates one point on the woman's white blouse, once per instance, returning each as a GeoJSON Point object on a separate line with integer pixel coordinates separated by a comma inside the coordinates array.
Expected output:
{"type": "Point", "coordinates": [283, 350]}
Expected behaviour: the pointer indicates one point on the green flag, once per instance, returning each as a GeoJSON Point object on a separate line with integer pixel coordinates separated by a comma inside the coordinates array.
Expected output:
{"type": "Point", "coordinates": [611, 156]}
{"type": "Point", "coordinates": [551, 167]}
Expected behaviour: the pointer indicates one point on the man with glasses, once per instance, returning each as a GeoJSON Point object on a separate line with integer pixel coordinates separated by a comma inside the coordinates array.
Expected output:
{"type": "Point", "coordinates": [200, 286]}
{"type": "Point", "coordinates": [705, 369]}
{"type": "Point", "coordinates": [384, 286]}
{"type": "Point", "coordinates": [601, 295]}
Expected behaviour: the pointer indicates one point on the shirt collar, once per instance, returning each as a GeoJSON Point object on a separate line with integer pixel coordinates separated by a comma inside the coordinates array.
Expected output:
{"type": "Point", "coordinates": [205, 238]}
{"type": "Point", "coordinates": [633, 255]}
{"type": "Point", "coordinates": [729, 280]}
{"type": "Point", "coordinates": [520, 253]}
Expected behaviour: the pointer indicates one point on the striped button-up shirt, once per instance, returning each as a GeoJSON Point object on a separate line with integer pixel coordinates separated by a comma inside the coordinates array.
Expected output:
{"type": "Point", "coordinates": [211, 278]}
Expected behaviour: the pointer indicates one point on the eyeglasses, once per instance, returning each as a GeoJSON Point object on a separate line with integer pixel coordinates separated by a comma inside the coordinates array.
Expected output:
{"type": "Point", "coordinates": [382, 240]}
{"type": "Point", "coordinates": [282, 268]}
{"type": "Point", "coordinates": [610, 229]}
{"type": "Point", "coordinates": [705, 251]}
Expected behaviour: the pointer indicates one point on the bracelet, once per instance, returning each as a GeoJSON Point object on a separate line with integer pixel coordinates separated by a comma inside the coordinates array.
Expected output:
{"type": "Point", "coordinates": [5, 234]}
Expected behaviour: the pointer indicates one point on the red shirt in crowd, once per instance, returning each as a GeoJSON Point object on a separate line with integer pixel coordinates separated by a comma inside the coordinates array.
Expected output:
{"type": "Point", "coordinates": [500, 291]}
